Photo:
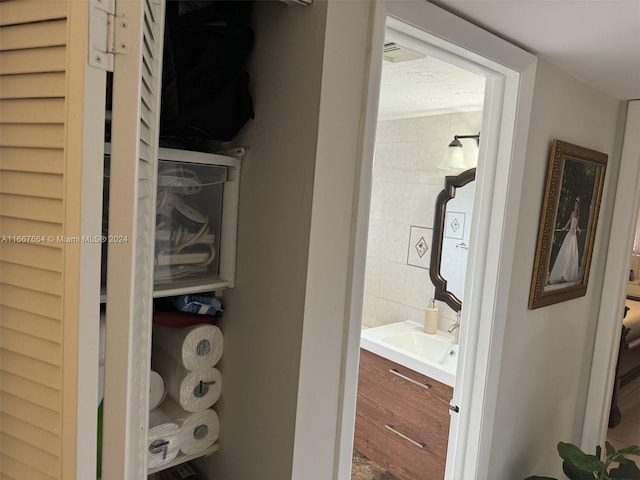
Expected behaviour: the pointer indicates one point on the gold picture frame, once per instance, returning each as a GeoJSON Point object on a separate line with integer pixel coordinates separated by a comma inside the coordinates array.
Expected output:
{"type": "Point", "coordinates": [567, 231]}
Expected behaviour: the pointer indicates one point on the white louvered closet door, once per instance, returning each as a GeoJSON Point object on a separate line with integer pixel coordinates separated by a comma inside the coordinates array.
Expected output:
{"type": "Point", "coordinates": [133, 173]}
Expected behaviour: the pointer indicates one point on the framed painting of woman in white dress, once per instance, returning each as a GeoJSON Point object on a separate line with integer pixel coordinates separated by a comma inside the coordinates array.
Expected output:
{"type": "Point", "coordinates": [568, 224]}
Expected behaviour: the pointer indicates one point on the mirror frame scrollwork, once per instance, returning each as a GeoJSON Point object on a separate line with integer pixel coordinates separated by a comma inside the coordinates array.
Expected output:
{"type": "Point", "coordinates": [451, 183]}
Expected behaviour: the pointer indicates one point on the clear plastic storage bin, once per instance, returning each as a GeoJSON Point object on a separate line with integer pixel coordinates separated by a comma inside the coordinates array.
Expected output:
{"type": "Point", "coordinates": [196, 221]}
{"type": "Point", "coordinates": [188, 220]}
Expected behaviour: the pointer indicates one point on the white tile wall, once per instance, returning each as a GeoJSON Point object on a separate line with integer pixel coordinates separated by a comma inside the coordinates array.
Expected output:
{"type": "Point", "coordinates": [396, 239]}
{"type": "Point", "coordinates": [392, 281]}
{"type": "Point", "coordinates": [419, 247]}
{"type": "Point", "coordinates": [417, 288]}
{"type": "Point", "coordinates": [406, 182]}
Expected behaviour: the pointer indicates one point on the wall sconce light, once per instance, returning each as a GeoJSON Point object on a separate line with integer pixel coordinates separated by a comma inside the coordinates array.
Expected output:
{"type": "Point", "coordinates": [454, 156]}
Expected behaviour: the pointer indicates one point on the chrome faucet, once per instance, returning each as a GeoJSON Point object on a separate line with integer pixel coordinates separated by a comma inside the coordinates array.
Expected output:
{"type": "Point", "coordinates": [455, 327]}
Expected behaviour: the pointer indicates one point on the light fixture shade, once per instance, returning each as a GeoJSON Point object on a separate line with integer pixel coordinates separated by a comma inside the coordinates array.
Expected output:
{"type": "Point", "coordinates": [453, 157]}
{"type": "Point", "coordinates": [472, 155]}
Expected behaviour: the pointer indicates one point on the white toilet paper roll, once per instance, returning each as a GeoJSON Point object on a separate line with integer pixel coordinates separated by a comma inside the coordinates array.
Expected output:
{"type": "Point", "coordinates": [195, 347]}
{"type": "Point", "coordinates": [163, 442]}
{"type": "Point", "coordinates": [157, 392]}
{"type": "Point", "coordinates": [192, 390]}
{"type": "Point", "coordinates": [198, 431]}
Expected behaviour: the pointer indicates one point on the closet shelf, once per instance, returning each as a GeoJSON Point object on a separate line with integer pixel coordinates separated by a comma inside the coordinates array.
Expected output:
{"type": "Point", "coordinates": [229, 158]}
{"type": "Point", "coordinates": [184, 287]}
{"type": "Point", "coordinates": [185, 458]}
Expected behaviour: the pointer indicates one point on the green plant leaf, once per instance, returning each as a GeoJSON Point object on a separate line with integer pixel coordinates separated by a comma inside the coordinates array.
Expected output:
{"type": "Point", "coordinates": [576, 457]}
{"type": "Point", "coordinates": [617, 457]}
{"type": "Point", "coordinates": [574, 474]}
{"type": "Point", "coordinates": [626, 470]}
{"type": "Point", "coordinates": [630, 450]}
{"type": "Point", "coordinates": [611, 451]}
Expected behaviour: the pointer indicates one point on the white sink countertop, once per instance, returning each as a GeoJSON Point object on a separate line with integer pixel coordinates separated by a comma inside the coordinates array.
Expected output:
{"type": "Point", "coordinates": [433, 355]}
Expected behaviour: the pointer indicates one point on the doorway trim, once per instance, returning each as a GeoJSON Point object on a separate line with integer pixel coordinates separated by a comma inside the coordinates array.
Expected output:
{"type": "Point", "coordinates": [510, 74]}
{"type": "Point", "coordinates": [607, 341]}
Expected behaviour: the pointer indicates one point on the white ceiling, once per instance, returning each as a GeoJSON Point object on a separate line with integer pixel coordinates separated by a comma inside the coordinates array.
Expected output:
{"type": "Point", "coordinates": [596, 41]}
{"type": "Point", "coordinates": [427, 86]}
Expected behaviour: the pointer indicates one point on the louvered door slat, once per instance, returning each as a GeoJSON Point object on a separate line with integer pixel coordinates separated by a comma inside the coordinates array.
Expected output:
{"type": "Point", "coordinates": [41, 461]}
{"type": "Point", "coordinates": [26, 276]}
{"type": "Point", "coordinates": [146, 114]}
{"type": "Point", "coordinates": [35, 85]}
{"type": "Point", "coordinates": [48, 59]}
{"type": "Point", "coordinates": [45, 110]}
{"type": "Point", "coordinates": [31, 300]}
{"type": "Point", "coordinates": [32, 184]}
{"type": "Point", "coordinates": [12, 13]}
{"type": "Point", "coordinates": [15, 470]}
{"type": "Point", "coordinates": [37, 160]}
{"type": "Point", "coordinates": [35, 325]}
{"type": "Point", "coordinates": [35, 392]}
{"type": "Point", "coordinates": [28, 432]}
{"type": "Point", "coordinates": [10, 226]}
{"type": "Point", "coordinates": [30, 368]}
{"type": "Point", "coordinates": [40, 34]}
{"type": "Point", "coordinates": [25, 135]}
{"type": "Point", "coordinates": [29, 412]}
{"type": "Point", "coordinates": [32, 208]}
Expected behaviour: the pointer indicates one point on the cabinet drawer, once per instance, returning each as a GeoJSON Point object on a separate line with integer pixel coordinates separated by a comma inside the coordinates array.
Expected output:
{"type": "Point", "coordinates": [394, 449]}
{"type": "Point", "coordinates": [430, 436]}
{"type": "Point", "coordinates": [419, 400]}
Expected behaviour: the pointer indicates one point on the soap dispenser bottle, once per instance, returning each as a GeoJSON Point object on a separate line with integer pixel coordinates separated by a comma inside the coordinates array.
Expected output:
{"type": "Point", "coordinates": [431, 314]}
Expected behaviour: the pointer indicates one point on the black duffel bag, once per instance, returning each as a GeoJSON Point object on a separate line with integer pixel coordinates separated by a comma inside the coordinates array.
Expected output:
{"type": "Point", "coordinates": [205, 91]}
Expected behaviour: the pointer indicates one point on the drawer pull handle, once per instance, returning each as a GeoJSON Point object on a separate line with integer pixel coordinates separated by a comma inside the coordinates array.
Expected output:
{"type": "Point", "coordinates": [402, 435]}
{"type": "Point", "coordinates": [395, 372]}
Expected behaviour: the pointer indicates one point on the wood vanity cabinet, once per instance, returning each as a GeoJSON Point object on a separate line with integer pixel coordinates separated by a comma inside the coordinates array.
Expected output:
{"type": "Point", "coordinates": [402, 419]}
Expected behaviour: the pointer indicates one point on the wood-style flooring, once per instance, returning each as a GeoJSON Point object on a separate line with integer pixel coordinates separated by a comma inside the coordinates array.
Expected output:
{"type": "Point", "coordinates": [364, 469]}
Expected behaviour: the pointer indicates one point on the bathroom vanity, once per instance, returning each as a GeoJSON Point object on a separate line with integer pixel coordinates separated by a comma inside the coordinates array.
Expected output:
{"type": "Point", "coordinates": [402, 415]}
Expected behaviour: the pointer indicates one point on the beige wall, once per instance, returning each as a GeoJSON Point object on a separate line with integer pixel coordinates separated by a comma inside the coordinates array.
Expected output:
{"type": "Point", "coordinates": [264, 312]}
{"type": "Point", "coordinates": [548, 351]}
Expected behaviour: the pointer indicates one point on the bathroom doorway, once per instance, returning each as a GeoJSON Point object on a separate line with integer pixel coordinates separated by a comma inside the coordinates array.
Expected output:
{"type": "Point", "coordinates": [425, 105]}
{"type": "Point", "coordinates": [508, 74]}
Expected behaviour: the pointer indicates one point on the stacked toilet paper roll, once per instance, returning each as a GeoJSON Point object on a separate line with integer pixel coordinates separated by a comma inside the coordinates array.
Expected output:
{"type": "Point", "coordinates": [193, 347]}
{"type": "Point", "coordinates": [157, 392]}
{"type": "Point", "coordinates": [193, 390]}
{"type": "Point", "coordinates": [185, 359]}
{"type": "Point", "coordinates": [163, 441]}
{"type": "Point", "coordinates": [198, 430]}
